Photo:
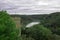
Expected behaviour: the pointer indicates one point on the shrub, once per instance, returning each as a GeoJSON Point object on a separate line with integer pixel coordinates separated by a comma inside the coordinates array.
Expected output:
{"type": "Point", "coordinates": [8, 29]}
{"type": "Point", "coordinates": [38, 32]}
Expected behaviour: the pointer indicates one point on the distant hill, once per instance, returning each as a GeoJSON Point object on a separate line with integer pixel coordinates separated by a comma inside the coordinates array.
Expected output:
{"type": "Point", "coordinates": [25, 19]}
{"type": "Point", "coordinates": [32, 18]}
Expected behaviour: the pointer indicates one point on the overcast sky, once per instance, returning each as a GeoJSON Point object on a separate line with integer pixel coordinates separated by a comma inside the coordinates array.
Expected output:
{"type": "Point", "coordinates": [27, 7]}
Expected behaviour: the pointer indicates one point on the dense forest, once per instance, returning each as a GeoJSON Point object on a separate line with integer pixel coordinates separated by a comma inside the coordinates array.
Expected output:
{"type": "Point", "coordinates": [48, 29]}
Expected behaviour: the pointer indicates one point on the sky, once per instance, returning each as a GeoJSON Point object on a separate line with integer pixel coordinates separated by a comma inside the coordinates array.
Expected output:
{"type": "Point", "coordinates": [30, 7]}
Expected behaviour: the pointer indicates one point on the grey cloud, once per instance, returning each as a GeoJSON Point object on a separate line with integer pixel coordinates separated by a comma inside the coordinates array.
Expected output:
{"type": "Point", "coordinates": [30, 6]}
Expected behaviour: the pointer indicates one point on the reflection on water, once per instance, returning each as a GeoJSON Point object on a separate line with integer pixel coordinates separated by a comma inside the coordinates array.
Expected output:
{"type": "Point", "coordinates": [32, 24]}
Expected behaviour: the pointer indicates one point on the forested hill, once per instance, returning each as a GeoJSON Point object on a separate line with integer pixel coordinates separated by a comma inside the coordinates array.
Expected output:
{"type": "Point", "coordinates": [33, 17]}
{"type": "Point", "coordinates": [30, 18]}
{"type": "Point", "coordinates": [48, 29]}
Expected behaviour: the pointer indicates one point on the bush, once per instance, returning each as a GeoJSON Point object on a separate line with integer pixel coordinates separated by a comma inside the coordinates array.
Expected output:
{"type": "Point", "coordinates": [38, 32]}
{"type": "Point", "coordinates": [8, 29]}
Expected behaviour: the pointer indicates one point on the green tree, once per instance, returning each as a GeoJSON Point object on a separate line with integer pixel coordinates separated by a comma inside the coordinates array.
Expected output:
{"type": "Point", "coordinates": [8, 30]}
{"type": "Point", "coordinates": [38, 32]}
{"type": "Point", "coordinates": [52, 21]}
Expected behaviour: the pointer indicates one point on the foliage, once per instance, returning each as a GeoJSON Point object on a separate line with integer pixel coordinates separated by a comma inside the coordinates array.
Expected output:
{"type": "Point", "coordinates": [52, 21]}
{"type": "Point", "coordinates": [8, 29]}
{"type": "Point", "coordinates": [26, 38]}
{"type": "Point", "coordinates": [38, 32]}
{"type": "Point", "coordinates": [48, 29]}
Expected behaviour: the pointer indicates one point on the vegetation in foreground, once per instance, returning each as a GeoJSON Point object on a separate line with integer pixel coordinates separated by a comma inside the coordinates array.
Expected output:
{"type": "Point", "coordinates": [8, 30]}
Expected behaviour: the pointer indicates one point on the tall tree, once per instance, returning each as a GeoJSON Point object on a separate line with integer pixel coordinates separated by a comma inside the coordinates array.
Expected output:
{"type": "Point", "coordinates": [8, 29]}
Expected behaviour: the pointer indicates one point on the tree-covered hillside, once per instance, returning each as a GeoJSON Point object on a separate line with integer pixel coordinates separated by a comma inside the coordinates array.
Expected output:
{"type": "Point", "coordinates": [48, 29]}
{"type": "Point", "coordinates": [31, 18]}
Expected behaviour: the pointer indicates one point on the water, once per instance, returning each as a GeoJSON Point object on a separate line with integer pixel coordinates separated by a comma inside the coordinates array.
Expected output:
{"type": "Point", "coordinates": [32, 24]}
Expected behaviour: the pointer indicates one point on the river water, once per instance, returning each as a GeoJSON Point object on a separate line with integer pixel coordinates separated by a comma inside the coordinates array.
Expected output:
{"type": "Point", "coordinates": [32, 24]}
